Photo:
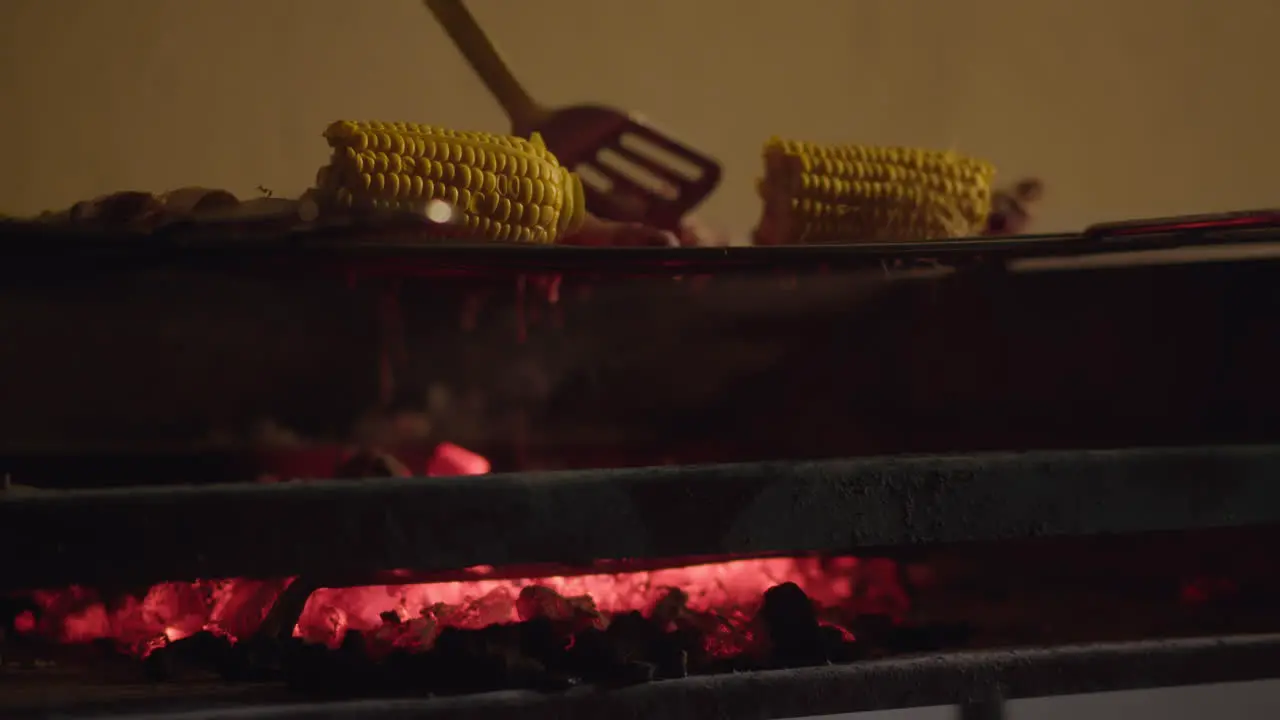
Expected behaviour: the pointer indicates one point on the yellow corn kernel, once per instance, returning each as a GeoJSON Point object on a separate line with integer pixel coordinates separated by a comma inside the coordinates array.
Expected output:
{"type": "Point", "coordinates": [502, 188]}
{"type": "Point", "coordinates": [857, 193]}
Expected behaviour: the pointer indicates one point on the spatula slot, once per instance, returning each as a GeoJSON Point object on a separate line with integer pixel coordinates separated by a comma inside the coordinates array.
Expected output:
{"type": "Point", "coordinates": [675, 158]}
{"type": "Point", "coordinates": [619, 168]}
{"type": "Point", "coordinates": [651, 166]}
{"type": "Point", "coordinates": [593, 178]}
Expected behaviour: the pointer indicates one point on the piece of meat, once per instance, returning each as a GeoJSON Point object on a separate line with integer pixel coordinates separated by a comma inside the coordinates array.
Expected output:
{"type": "Point", "coordinates": [695, 233]}
{"type": "Point", "coordinates": [1011, 208]}
{"type": "Point", "coordinates": [598, 232]}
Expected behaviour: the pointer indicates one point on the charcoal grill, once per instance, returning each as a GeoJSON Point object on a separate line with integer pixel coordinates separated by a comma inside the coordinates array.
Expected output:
{"type": "Point", "coordinates": [1180, 481]}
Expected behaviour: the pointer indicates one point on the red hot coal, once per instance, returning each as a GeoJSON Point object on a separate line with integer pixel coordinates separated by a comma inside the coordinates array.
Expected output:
{"type": "Point", "coordinates": [607, 627]}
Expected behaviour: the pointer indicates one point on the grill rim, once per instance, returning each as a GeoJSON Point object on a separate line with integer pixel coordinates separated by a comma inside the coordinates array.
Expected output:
{"type": "Point", "coordinates": [339, 528]}
{"type": "Point", "coordinates": [959, 678]}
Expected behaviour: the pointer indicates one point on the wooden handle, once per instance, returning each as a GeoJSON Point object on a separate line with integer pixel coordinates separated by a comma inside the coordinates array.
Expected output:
{"type": "Point", "coordinates": [483, 57]}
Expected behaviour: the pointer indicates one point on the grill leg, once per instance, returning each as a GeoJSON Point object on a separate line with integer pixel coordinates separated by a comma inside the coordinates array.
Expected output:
{"type": "Point", "coordinates": [986, 704]}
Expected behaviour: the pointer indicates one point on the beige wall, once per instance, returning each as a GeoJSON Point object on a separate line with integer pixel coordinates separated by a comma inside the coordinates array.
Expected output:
{"type": "Point", "coordinates": [1126, 107]}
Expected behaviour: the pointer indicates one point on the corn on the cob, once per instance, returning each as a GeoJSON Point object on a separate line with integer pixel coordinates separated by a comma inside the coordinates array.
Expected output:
{"type": "Point", "coordinates": [504, 189]}
{"type": "Point", "coordinates": [842, 194]}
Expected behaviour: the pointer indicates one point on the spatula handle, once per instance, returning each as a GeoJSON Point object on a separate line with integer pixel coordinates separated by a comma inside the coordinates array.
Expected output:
{"type": "Point", "coordinates": [483, 57]}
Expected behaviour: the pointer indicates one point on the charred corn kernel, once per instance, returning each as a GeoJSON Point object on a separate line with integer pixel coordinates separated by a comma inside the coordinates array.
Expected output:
{"type": "Point", "coordinates": [857, 193]}
{"type": "Point", "coordinates": [504, 188]}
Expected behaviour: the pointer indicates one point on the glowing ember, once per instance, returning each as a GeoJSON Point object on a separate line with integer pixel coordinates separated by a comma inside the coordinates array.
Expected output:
{"type": "Point", "coordinates": [168, 610]}
{"type": "Point", "coordinates": [717, 600]}
{"type": "Point", "coordinates": [723, 595]}
{"type": "Point", "coordinates": [450, 460]}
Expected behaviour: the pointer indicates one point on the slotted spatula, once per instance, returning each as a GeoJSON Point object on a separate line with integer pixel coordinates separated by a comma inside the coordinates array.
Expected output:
{"type": "Point", "coordinates": [630, 171]}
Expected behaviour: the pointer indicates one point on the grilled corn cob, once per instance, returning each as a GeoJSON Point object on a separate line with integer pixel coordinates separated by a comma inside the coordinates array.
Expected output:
{"type": "Point", "coordinates": [854, 193]}
{"type": "Point", "coordinates": [503, 189]}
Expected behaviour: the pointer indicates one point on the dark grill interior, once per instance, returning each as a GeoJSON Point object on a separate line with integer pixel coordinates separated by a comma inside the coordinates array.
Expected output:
{"type": "Point", "coordinates": [867, 530]}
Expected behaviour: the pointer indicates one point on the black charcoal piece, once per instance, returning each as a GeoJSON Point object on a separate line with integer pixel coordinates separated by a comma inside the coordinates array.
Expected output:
{"type": "Point", "coordinates": [631, 637]}
{"type": "Point", "coordinates": [670, 657]}
{"type": "Point", "coordinates": [542, 640]}
{"type": "Point", "coordinates": [199, 652]}
{"type": "Point", "coordinates": [591, 656]}
{"type": "Point", "coordinates": [795, 637]}
{"type": "Point", "coordinates": [257, 658]}
{"type": "Point", "coordinates": [837, 647]}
